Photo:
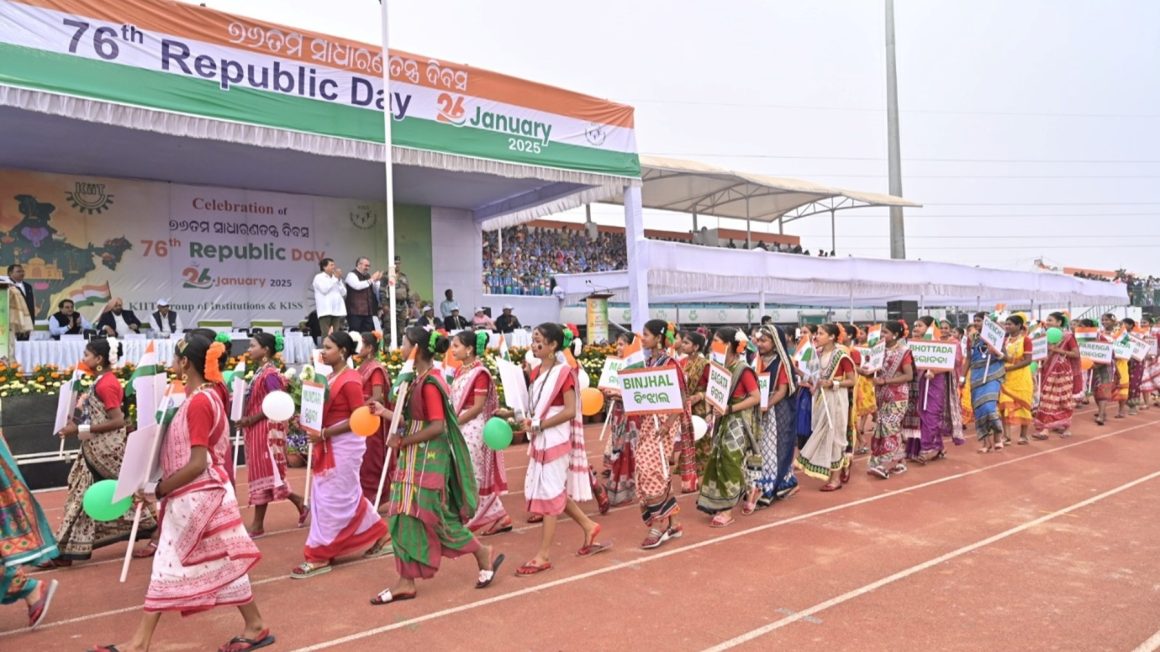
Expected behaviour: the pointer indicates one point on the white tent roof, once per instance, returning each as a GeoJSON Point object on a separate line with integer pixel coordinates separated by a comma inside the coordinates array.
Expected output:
{"type": "Point", "coordinates": [704, 189]}
{"type": "Point", "coordinates": [683, 273]}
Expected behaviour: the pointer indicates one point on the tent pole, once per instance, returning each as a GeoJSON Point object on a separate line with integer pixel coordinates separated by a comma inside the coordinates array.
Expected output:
{"type": "Point", "coordinates": [637, 256]}
{"type": "Point", "coordinates": [748, 231]}
{"type": "Point", "coordinates": [761, 304]}
{"type": "Point", "coordinates": [833, 234]}
{"type": "Point", "coordinates": [392, 291]}
{"type": "Point", "coordinates": [781, 225]}
{"type": "Point", "coordinates": [695, 228]}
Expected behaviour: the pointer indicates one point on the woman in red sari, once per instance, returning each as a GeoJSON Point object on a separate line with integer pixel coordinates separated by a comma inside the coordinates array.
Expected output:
{"type": "Point", "coordinates": [204, 554]}
{"type": "Point", "coordinates": [1060, 380]}
{"type": "Point", "coordinates": [376, 384]}
{"type": "Point", "coordinates": [266, 440]}
{"type": "Point", "coordinates": [342, 520]}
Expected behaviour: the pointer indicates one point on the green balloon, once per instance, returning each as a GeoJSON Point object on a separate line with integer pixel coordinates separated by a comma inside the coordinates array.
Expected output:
{"type": "Point", "coordinates": [497, 434]}
{"type": "Point", "coordinates": [98, 502]}
{"type": "Point", "coordinates": [1034, 367]}
{"type": "Point", "coordinates": [1054, 336]}
{"type": "Point", "coordinates": [228, 377]}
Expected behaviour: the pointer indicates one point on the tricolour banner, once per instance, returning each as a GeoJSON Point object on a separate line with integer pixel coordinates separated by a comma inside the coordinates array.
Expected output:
{"type": "Point", "coordinates": [191, 60]}
{"type": "Point", "coordinates": [651, 391]}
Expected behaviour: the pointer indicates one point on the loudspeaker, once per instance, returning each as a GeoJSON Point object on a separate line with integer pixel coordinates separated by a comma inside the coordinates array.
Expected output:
{"type": "Point", "coordinates": [904, 310]}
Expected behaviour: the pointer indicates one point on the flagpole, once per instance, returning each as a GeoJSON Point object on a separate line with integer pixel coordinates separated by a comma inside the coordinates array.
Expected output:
{"type": "Point", "coordinates": [392, 278]}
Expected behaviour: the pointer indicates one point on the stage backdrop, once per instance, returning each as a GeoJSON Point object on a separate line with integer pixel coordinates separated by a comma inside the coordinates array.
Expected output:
{"type": "Point", "coordinates": [216, 253]}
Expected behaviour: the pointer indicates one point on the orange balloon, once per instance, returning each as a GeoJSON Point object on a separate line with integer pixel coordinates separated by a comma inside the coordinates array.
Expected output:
{"type": "Point", "coordinates": [1086, 364]}
{"type": "Point", "coordinates": [591, 401]}
{"type": "Point", "coordinates": [363, 423]}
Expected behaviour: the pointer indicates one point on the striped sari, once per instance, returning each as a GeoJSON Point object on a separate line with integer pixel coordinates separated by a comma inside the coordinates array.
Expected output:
{"type": "Point", "coordinates": [433, 492]}
{"type": "Point", "coordinates": [265, 442]}
{"type": "Point", "coordinates": [1058, 388]}
{"type": "Point", "coordinates": [987, 373]}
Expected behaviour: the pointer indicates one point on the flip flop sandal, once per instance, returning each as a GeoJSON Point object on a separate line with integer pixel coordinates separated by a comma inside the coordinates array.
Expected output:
{"type": "Point", "coordinates": [831, 487]}
{"type": "Point", "coordinates": [386, 597]}
{"type": "Point", "coordinates": [1040, 436]}
{"type": "Point", "coordinates": [529, 569]}
{"type": "Point", "coordinates": [878, 473]}
{"type": "Point", "coordinates": [720, 523]}
{"type": "Point", "coordinates": [379, 550]}
{"type": "Point", "coordinates": [306, 569]}
{"type": "Point", "coordinates": [144, 553]}
{"type": "Point", "coordinates": [590, 543]}
{"type": "Point", "coordinates": [1023, 441]}
{"type": "Point", "coordinates": [254, 536]}
{"type": "Point", "coordinates": [535, 518]}
{"type": "Point", "coordinates": [103, 648]}
{"type": "Point", "coordinates": [499, 527]}
{"type": "Point", "coordinates": [39, 609]}
{"type": "Point", "coordinates": [303, 516]}
{"type": "Point", "coordinates": [241, 643]}
{"type": "Point", "coordinates": [486, 577]}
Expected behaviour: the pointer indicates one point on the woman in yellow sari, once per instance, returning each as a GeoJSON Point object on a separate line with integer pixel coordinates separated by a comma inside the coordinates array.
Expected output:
{"type": "Point", "coordinates": [865, 401]}
{"type": "Point", "coordinates": [1018, 385]}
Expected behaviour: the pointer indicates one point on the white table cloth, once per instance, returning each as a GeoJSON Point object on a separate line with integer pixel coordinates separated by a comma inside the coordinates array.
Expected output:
{"type": "Point", "coordinates": [30, 354]}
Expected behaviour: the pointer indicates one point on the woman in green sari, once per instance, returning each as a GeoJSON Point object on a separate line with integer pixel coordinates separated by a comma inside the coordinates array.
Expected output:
{"type": "Point", "coordinates": [25, 538]}
{"type": "Point", "coordinates": [734, 437]}
{"type": "Point", "coordinates": [433, 490]}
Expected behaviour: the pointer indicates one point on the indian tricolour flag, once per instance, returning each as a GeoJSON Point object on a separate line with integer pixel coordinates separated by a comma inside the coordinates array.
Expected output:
{"type": "Point", "coordinates": [804, 353]}
{"type": "Point", "coordinates": [873, 335]}
{"type": "Point", "coordinates": [633, 355]}
{"type": "Point", "coordinates": [90, 295]}
{"type": "Point", "coordinates": [406, 374]}
{"type": "Point", "coordinates": [932, 334]}
{"type": "Point", "coordinates": [148, 384]}
{"type": "Point", "coordinates": [1087, 334]}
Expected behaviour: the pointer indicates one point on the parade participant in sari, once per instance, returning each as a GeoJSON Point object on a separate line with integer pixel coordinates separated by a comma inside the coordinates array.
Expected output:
{"type": "Point", "coordinates": [25, 538]}
{"type": "Point", "coordinates": [987, 373]}
{"type": "Point", "coordinates": [938, 405]}
{"type": "Point", "coordinates": [734, 435]}
{"type": "Point", "coordinates": [776, 480]}
{"type": "Point", "coordinates": [100, 425]}
{"type": "Point", "coordinates": [433, 492]}
{"type": "Point", "coordinates": [1135, 371]}
{"type": "Point", "coordinates": [266, 440]}
{"type": "Point", "coordinates": [1105, 377]}
{"type": "Point", "coordinates": [342, 520]}
{"type": "Point", "coordinates": [204, 554]}
{"type": "Point", "coordinates": [558, 471]}
{"type": "Point", "coordinates": [1060, 380]}
{"type": "Point", "coordinates": [805, 397]}
{"type": "Point", "coordinates": [831, 375]}
{"type": "Point", "coordinates": [474, 396]}
{"type": "Point", "coordinates": [1149, 385]}
{"type": "Point", "coordinates": [865, 401]}
{"type": "Point", "coordinates": [1018, 385]}
{"type": "Point", "coordinates": [619, 463]}
{"type": "Point", "coordinates": [966, 413]}
{"type": "Point", "coordinates": [696, 365]}
{"type": "Point", "coordinates": [376, 383]}
{"type": "Point", "coordinates": [656, 435]}
{"type": "Point", "coordinates": [1123, 379]}
{"type": "Point", "coordinates": [887, 454]}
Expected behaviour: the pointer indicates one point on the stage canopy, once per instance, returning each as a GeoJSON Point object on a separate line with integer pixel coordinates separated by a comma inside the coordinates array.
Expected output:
{"type": "Point", "coordinates": [683, 273]}
{"type": "Point", "coordinates": [158, 90]}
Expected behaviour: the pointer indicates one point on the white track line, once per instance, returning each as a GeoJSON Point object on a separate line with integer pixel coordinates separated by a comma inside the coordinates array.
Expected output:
{"type": "Point", "coordinates": [1150, 645]}
{"type": "Point", "coordinates": [687, 548]}
{"type": "Point", "coordinates": [627, 564]}
{"type": "Point", "coordinates": [918, 568]}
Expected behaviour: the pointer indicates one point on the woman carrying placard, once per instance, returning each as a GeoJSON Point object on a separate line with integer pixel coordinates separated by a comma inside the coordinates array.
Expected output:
{"type": "Point", "coordinates": [987, 373]}
{"type": "Point", "coordinates": [1060, 380]}
{"type": "Point", "coordinates": [831, 375]}
{"type": "Point", "coordinates": [938, 404]}
{"type": "Point", "coordinates": [1018, 385]}
{"type": "Point", "coordinates": [1135, 371]}
{"type": "Point", "coordinates": [887, 454]}
{"type": "Point", "coordinates": [433, 492]}
{"type": "Point", "coordinates": [656, 436]}
{"type": "Point", "coordinates": [734, 435]}
{"type": "Point", "coordinates": [558, 471]}
{"type": "Point", "coordinates": [776, 480]}
{"type": "Point", "coordinates": [865, 402]}
{"type": "Point", "coordinates": [619, 463]}
{"type": "Point", "coordinates": [1106, 378]}
{"type": "Point", "coordinates": [342, 520]}
{"type": "Point", "coordinates": [475, 399]}
{"type": "Point", "coordinates": [376, 385]}
{"type": "Point", "coordinates": [265, 440]}
{"type": "Point", "coordinates": [100, 425]}
{"type": "Point", "coordinates": [204, 554]}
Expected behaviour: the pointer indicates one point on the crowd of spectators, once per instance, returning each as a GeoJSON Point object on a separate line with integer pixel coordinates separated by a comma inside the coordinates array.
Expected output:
{"type": "Point", "coordinates": [1143, 291]}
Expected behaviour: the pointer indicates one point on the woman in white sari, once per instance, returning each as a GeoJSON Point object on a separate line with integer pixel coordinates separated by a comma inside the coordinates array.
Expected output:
{"type": "Point", "coordinates": [831, 374]}
{"type": "Point", "coordinates": [558, 473]}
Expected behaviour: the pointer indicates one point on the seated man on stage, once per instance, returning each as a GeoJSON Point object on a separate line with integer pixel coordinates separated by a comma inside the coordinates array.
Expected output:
{"type": "Point", "coordinates": [67, 321]}
{"type": "Point", "coordinates": [117, 321]}
{"type": "Point", "coordinates": [165, 321]}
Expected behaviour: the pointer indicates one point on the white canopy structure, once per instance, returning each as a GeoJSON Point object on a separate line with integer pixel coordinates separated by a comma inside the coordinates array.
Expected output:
{"type": "Point", "coordinates": [683, 273]}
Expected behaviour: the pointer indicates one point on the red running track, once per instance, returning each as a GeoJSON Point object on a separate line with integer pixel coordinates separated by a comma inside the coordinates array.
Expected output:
{"type": "Point", "coordinates": [1043, 547]}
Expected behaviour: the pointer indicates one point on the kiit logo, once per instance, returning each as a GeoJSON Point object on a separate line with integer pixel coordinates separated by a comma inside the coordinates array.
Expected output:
{"type": "Point", "coordinates": [89, 198]}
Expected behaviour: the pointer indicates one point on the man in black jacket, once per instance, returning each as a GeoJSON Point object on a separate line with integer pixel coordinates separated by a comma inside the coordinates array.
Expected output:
{"type": "Point", "coordinates": [117, 321]}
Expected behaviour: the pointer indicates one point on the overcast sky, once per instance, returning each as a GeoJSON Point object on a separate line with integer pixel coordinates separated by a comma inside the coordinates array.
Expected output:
{"type": "Point", "coordinates": [1028, 128]}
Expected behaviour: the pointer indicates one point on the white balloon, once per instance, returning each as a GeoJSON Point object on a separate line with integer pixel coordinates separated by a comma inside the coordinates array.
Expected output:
{"type": "Point", "coordinates": [532, 360]}
{"type": "Point", "coordinates": [700, 427]}
{"type": "Point", "coordinates": [278, 406]}
{"type": "Point", "coordinates": [584, 380]}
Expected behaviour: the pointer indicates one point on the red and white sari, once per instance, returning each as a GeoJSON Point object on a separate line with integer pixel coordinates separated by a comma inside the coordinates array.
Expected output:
{"type": "Point", "coordinates": [204, 554]}
{"type": "Point", "coordinates": [559, 464]}
{"type": "Point", "coordinates": [488, 464]}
